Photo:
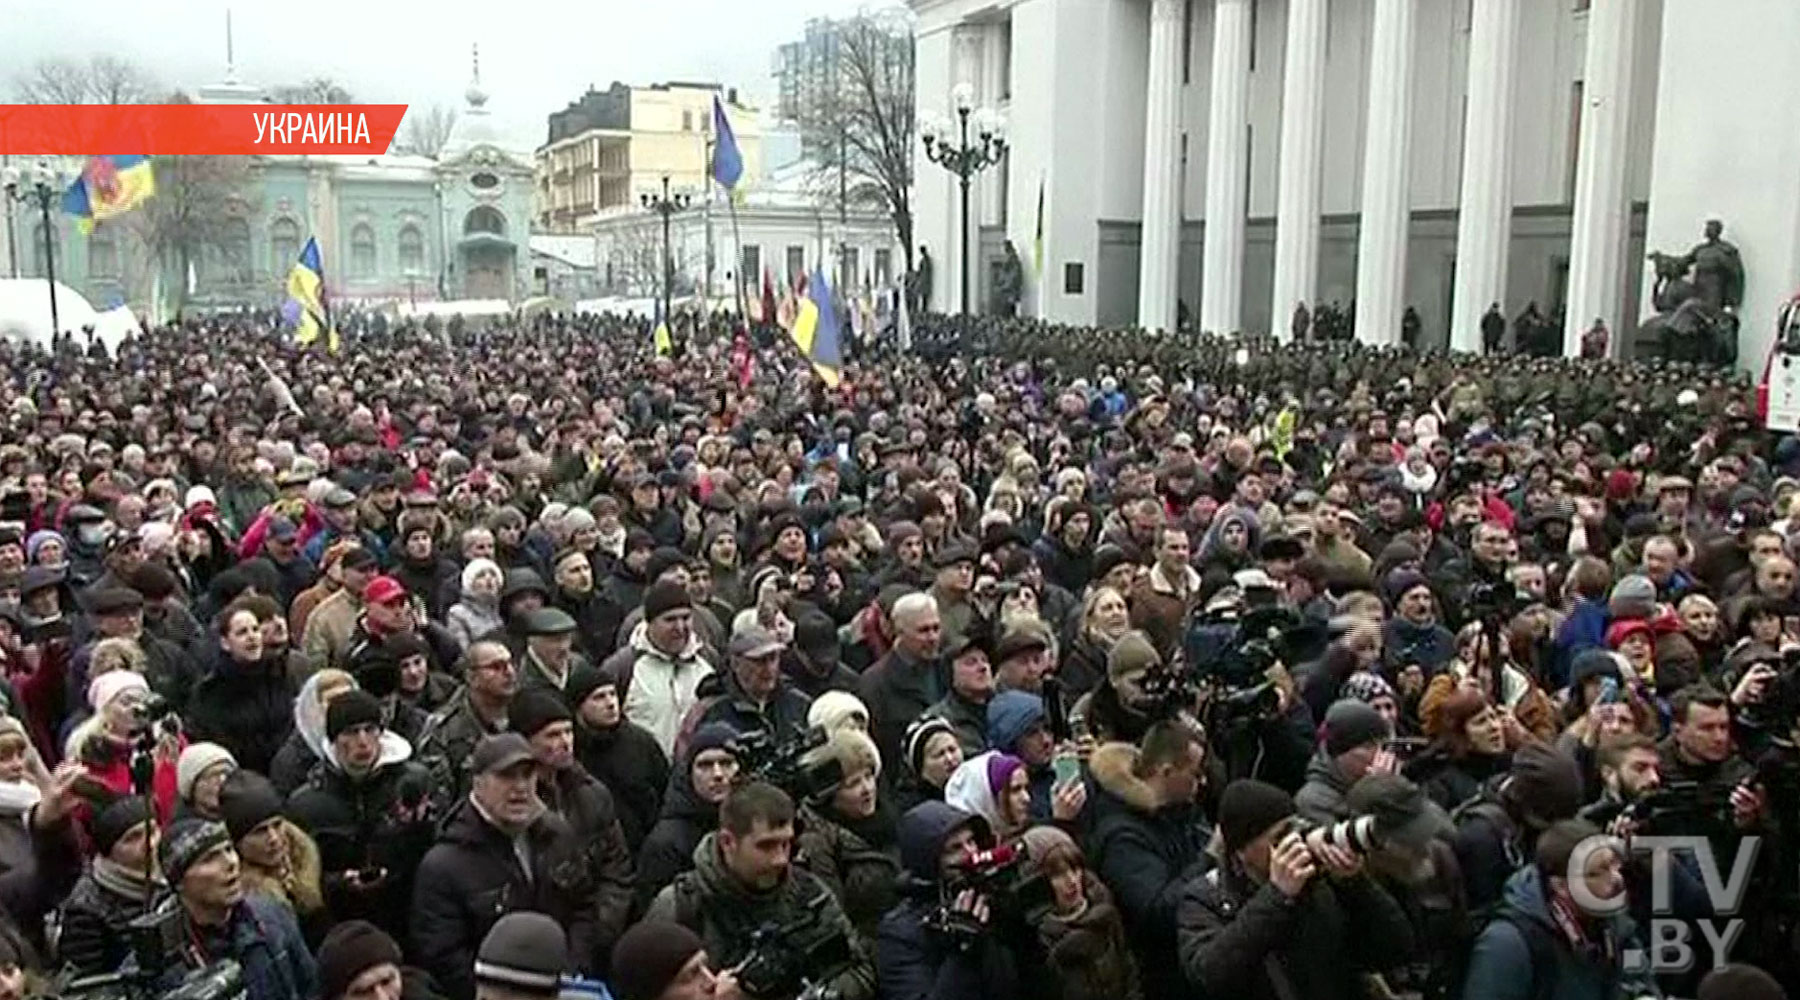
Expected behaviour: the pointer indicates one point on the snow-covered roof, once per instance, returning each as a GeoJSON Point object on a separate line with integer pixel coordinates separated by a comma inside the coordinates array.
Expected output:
{"type": "Point", "coordinates": [576, 251]}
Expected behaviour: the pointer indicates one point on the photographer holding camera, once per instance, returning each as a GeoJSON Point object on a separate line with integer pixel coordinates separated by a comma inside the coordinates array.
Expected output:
{"type": "Point", "coordinates": [1284, 916]}
{"type": "Point", "coordinates": [939, 945]}
{"type": "Point", "coordinates": [774, 924]}
{"type": "Point", "coordinates": [213, 920]}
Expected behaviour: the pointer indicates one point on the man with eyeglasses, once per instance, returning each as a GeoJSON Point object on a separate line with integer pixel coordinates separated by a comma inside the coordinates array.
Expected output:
{"type": "Point", "coordinates": [477, 711]}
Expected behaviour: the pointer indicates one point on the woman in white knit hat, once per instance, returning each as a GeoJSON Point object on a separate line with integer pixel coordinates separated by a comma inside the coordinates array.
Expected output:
{"type": "Point", "coordinates": [103, 745]}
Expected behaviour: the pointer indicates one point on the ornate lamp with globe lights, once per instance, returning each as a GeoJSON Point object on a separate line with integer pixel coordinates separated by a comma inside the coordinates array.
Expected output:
{"type": "Point", "coordinates": [948, 144]}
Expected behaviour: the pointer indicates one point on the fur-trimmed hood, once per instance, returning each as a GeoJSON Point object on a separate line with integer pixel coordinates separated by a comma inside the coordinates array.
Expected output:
{"type": "Point", "coordinates": [301, 886]}
{"type": "Point", "coordinates": [1113, 766]}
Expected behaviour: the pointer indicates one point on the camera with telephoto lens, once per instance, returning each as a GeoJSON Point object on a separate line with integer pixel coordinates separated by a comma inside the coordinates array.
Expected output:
{"type": "Point", "coordinates": [782, 763]}
{"type": "Point", "coordinates": [797, 958]}
{"type": "Point", "coordinates": [1359, 834]}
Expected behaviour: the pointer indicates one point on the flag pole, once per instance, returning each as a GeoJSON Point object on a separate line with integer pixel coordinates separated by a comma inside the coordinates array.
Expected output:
{"type": "Point", "coordinates": [737, 272]}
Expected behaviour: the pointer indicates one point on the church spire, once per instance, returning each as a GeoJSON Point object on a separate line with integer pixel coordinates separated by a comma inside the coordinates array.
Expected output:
{"type": "Point", "coordinates": [475, 95]}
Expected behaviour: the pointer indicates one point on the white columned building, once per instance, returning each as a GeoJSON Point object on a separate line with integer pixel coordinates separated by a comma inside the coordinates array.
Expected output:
{"type": "Point", "coordinates": [1484, 219]}
{"type": "Point", "coordinates": [1602, 202]}
{"type": "Point", "coordinates": [1159, 260]}
{"type": "Point", "coordinates": [1227, 169]}
{"type": "Point", "coordinates": [1240, 157]}
{"type": "Point", "coordinates": [1297, 223]}
{"type": "Point", "coordinates": [1387, 163]}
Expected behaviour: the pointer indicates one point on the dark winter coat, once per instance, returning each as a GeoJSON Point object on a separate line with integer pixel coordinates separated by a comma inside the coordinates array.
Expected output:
{"type": "Point", "coordinates": [597, 622]}
{"type": "Point", "coordinates": [721, 699]}
{"type": "Point", "coordinates": [386, 820]}
{"type": "Point", "coordinates": [471, 878]}
{"type": "Point", "coordinates": [968, 719]}
{"type": "Point", "coordinates": [1147, 853]}
{"type": "Point", "coordinates": [1088, 956]}
{"type": "Point", "coordinates": [898, 689]}
{"type": "Point", "coordinates": [1239, 939]}
{"type": "Point", "coordinates": [247, 709]}
{"type": "Point", "coordinates": [1321, 799]}
{"type": "Point", "coordinates": [1504, 965]}
{"type": "Point", "coordinates": [263, 937]}
{"type": "Point", "coordinates": [628, 762]}
{"type": "Point", "coordinates": [448, 743]}
{"type": "Point", "coordinates": [913, 962]}
{"type": "Point", "coordinates": [589, 810]}
{"type": "Point", "coordinates": [669, 847]}
{"type": "Point", "coordinates": [860, 865]}
{"type": "Point", "coordinates": [95, 936]}
{"type": "Point", "coordinates": [713, 903]}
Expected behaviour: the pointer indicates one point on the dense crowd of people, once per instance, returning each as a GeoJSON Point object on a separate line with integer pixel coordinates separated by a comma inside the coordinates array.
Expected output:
{"type": "Point", "coordinates": [511, 661]}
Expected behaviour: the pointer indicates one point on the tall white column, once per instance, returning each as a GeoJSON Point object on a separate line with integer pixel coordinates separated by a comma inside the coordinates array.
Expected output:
{"type": "Point", "coordinates": [1602, 212]}
{"type": "Point", "coordinates": [968, 46]}
{"type": "Point", "coordinates": [1161, 243]}
{"type": "Point", "coordinates": [1387, 156]}
{"type": "Point", "coordinates": [1227, 170]}
{"type": "Point", "coordinates": [1484, 220]}
{"type": "Point", "coordinates": [992, 182]}
{"type": "Point", "coordinates": [1298, 199]}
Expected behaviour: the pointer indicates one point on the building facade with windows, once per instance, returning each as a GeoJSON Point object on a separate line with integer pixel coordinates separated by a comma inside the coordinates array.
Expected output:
{"type": "Point", "coordinates": [610, 147]}
{"type": "Point", "coordinates": [813, 71]}
{"type": "Point", "coordinates": [389, 228]}
{"type": "Point", "coordinates": [1240, 157]}
{"type": "Point", "coordinates": [784, 230]}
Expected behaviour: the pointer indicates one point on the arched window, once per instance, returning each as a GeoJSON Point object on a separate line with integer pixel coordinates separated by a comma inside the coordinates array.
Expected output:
{"type": "Point", "coordinates": [284, 246]}
{"type": "Point", "coordinates": [40, 264]}
{"type": "Point", "coordinates": [412, 249]}
{"type": "Point", "coordinates": [484, 219]}
{"type": "Point", "coordinates": [103, 254]}
{"type": "Point", "coordinates": [234, 251]}
{"type": "Point", "coordinates": [362, 251]}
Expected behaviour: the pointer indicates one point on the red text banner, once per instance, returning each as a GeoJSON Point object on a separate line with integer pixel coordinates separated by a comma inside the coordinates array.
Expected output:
{"type": "Point", "coordinates": [197, 129]}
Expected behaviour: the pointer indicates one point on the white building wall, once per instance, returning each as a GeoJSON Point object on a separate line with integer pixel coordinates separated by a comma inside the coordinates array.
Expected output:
{"type": "Point", "coordinates": [1076, 120]}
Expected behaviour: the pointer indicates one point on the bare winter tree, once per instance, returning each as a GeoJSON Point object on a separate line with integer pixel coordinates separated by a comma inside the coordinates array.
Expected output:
{"type": "Point", "coordinates": [864, 125]}
{"type": "Point", "coordinates": [103, 79]}
{"type": "Point", "coordinates": [318, 90]}
{"type": "Point", "coordinates": [425, 130]}
{"type": "Point", "coordinates": [199, 213]}
{"type": "Point", "coordinates": [633, 261]}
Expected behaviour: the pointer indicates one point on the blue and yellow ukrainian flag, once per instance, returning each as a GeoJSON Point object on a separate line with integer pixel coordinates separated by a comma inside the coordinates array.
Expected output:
{"type": "Point", "coordinates": [659, 333]}
{"type": "Point", "coordinates": [306, 297]}
{"type": "Point", "coordinates": [816, 332]}
{"type": "Point", "coordinates": [728, 161]}
{"type": "Point", "coordinates": [109, 186]}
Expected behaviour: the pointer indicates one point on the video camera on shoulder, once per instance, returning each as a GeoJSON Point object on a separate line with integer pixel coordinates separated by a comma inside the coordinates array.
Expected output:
{"type": "Point", "coordinates": [796, 958]}
{"type": "Point", "coordinates": [997, 875]}
{"type": "Point", "coordinates": [782, 763]}
{"type": "Point", "coordinates": [1682, 806]}
{"type": "Point", "coordinates": [157, 944]}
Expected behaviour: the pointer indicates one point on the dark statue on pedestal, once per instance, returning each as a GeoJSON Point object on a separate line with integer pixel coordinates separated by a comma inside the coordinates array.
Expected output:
{"type": "Point", "coordinates": [1009, 283]}
{"type": "Point", "coordinates": [1696, 297]}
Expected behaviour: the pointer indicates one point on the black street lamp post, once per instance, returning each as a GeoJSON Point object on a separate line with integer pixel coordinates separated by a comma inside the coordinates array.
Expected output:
{"type": "Point", "coordinates": [666, 205]}
{"type": "Point", "coordinates": [40, 188]}
{"type": "Point", "coordinates": [964, 159]}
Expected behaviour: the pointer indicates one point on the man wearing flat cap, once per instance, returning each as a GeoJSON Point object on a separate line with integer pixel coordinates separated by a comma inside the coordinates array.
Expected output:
{"type": "Point", "coordinates": [550, 655]}
{"type": "Point", "coordinates": [499, 852]}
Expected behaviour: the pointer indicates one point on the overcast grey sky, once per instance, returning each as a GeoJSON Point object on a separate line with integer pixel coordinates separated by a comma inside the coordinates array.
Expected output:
{"type": "Point", "coordinates": [535, 57]}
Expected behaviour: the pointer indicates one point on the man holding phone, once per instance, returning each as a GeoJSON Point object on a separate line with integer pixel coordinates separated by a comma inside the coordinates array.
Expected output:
{"type": "Point", "coordinates": [1017, 724]}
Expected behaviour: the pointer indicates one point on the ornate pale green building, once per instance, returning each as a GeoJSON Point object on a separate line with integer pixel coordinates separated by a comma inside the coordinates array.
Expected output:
{"type": "Point", "coordinates": [390, 228]}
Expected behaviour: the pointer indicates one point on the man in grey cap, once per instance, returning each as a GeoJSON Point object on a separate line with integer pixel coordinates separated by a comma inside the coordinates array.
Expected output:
{"type": "Point", "coordinates": [550, 655]}
{"type": "Point", "coordinates": [955, 582]}
{"type": "Point", "coordinates": [339, 506]}
{"type": "Point", "coordinates": [499, 852]}
{"type": "Point", "coordinates": [753, 694]}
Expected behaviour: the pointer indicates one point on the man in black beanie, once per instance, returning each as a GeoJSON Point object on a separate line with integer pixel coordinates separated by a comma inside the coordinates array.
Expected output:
{"type": "Point", "coordinates": [360, 961]}
{"type": "Point", "coordinates": [1278, 918]}
{"type": "Point", "coordinates": [123, 876]}
{"type": "Point", "coordinates": [371, 811]}
{"type": "Point", "coordinates": [661, 663]}
{"type": "Point", "coordinates": [662, 960]}
{"type": "Point", "coordinates": [222, 921]}
{"type": "Point", "coordinates": [1497, 833]}
{"type": "Point", "coordinates": [621, 754]}
{"type": "Point", "coordinates": [1352, 748]}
